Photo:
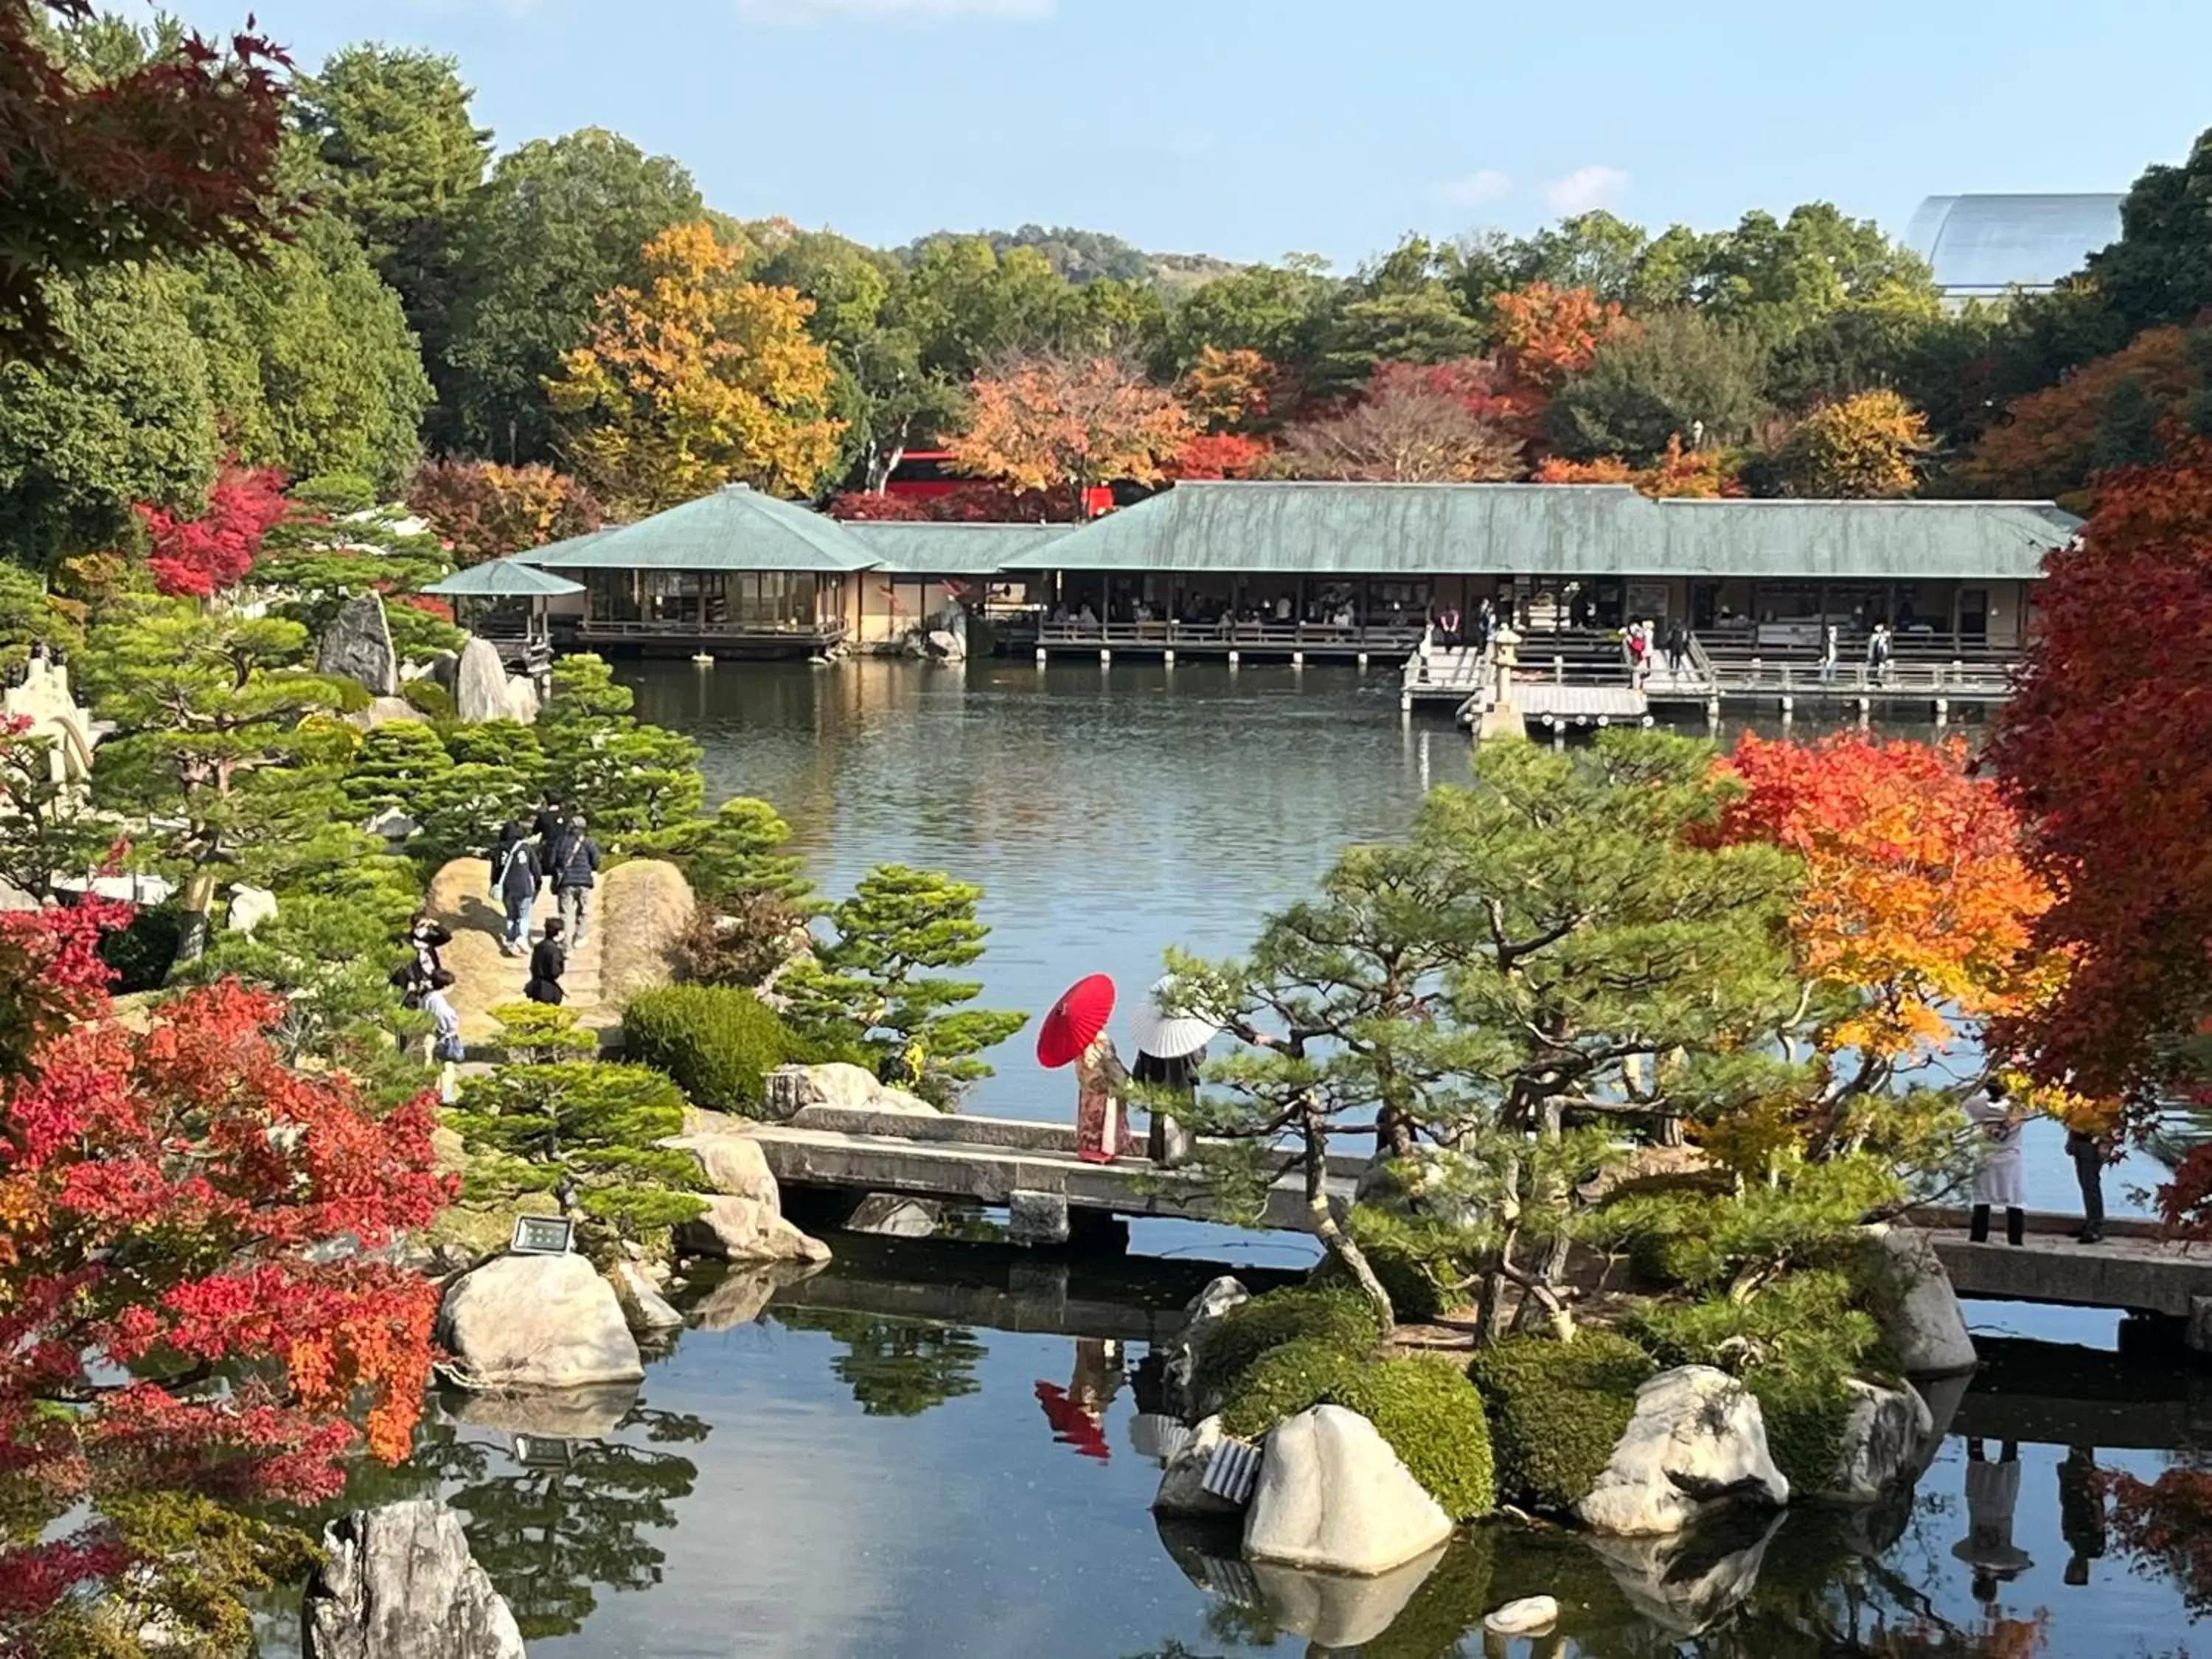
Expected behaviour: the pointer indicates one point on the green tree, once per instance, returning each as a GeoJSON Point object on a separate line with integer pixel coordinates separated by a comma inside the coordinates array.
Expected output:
{"type": "Point", "coordinates": [738, 854]}
{"type": "Point", "coordinates": [560, 221]}
{"type": "Point", "coordinates": [629, 779]}
{"type": "Point", "coordinates": [122, 415]}
{"type": "Point", "coordinates": [402, 155]}
{"type": "Point", "coordinates": [2161, 270]}
{"type": "Point", "coordinates": [44, 830]}
{"type": "Point", "coordinates": [1683, 374]}
{"type": "Point", "coordinates": [461, 810]}
{"type": "Point", "coordinates": [28, 614]}
{"type": "Point", "coordinates": [533, 1126]}
{"type": "Point", "coordinates": [1278, 311]}
{"type": "Point", "coordinates": [394, 763]}
{"type": "Point", "coordinates": [214, 753]}
{"type": "Point", "coordinates": [1595, 250]}
{"type": "Point", "coordinates": [968, 308]}
{"type": "Point", "coordinates": [871, 983]}
{"type": "Point", "coordinates": [311, 362]}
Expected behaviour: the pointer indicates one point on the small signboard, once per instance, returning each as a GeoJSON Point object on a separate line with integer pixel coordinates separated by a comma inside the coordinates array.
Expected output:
{"type": "Point", "coordinates": [541, 1235]}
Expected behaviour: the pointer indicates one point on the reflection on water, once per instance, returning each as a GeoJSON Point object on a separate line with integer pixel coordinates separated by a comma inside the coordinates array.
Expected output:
{"type": "Point", "coordinates": [829, 1476]}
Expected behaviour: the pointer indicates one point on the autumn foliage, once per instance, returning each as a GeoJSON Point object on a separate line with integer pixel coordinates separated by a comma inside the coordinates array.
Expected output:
{"type": "Point", "coordinates": [1918, 894]}
{"type": "Point", "coordinates": [2048, 443]}
{"type": "Point", "coordinates": [1546, 333]}
{"type": "Point", "coordinates": [1696, 474]}
{"type": "Point", "coordinates": [2102, 750]}
{"type": "Point", "coordinates": [162, 1191]}
{"type": "Point", "coordinates": [197, 557]}
{"type": "Point", "coordinates": [482, 510]}
{"type": "Point", "coordinates": [1071, 423]}
{"type": "Point", "coordinates": [968, 503]}
{"type": "Point", "coordinates": [1864, 448]}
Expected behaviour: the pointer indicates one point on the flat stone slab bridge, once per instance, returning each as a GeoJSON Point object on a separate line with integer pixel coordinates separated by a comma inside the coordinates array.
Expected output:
{"type": "Point", "coordinates": [1031, 1167]}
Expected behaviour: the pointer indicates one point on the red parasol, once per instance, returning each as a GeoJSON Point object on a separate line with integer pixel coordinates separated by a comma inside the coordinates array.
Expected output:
{"type": "Point", "coordinates": [1080, 1015]}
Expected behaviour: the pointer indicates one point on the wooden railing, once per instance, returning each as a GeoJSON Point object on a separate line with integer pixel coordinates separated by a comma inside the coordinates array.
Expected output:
{"type": "Point", "coordinates": [1264, 635]}
{"type": "Point", "coordinates": [606, 628]}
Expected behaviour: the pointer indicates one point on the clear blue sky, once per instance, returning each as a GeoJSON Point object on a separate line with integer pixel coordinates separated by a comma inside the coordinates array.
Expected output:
{"type": "Point", "coordinates": [1250, 128]}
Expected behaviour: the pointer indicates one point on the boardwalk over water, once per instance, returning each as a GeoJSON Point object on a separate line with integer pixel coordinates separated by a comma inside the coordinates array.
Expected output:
{"type": "Point", "coordinates": [989, 1161]}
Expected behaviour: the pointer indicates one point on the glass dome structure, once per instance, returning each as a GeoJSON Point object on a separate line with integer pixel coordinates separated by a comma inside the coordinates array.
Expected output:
{"type": "Point", "coordinates": [1984, 246]}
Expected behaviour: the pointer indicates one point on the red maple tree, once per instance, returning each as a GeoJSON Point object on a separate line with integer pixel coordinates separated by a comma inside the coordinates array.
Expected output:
{"type": "Point", "coordinates": [2101, 750]}
{"type": "Point", "coordinates": [199, 556]}
{"type": "Point", "coordinates": [173, 1317]}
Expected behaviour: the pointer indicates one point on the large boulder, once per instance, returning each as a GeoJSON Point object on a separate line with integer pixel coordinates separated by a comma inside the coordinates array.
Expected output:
{"type": "Point", "coordinates": [1334, 1614]}
{"type": "Point", "coordinates": [731, 1164]}
{"type": "Point", "coordinates": [1697, 1442]}
{"type": "Point", "coordinates": [642, 1305]}
{"type": "Point", "coordinates": [643, 907]}
{"type": "Point", "coordinates": [1333, 1496]}
{"type": "Point", "coordinates": [1181, 1489]}
{"type": "Point", "coordinates": [538, 1322]}
{"type": "Point", "coordinates": [480, 684]}
{"type": "Point", "coordinates": [357, 646]}
{"type": "Point", "coordinates": [746, 1229]}
{"type": "Point", "coordinates": [790, 1090]}
{"type": "Point", "coordinates": [397, 1582]}
{"type": "Point", "coordinates": [521, 700]}
{"type": "Point", "coordinates": [1919, 1315]}
{"type": "Point", "coordinates": [384, 711]}
{"type": "Point", "coordinates": [1200, 1314]}
{"type": "Point", "coordinates": [249, 908]}
{"type": "Point", "coordinates": [1432, 1180]}
{"type": "Point", "coordinates": [1881, 1440]}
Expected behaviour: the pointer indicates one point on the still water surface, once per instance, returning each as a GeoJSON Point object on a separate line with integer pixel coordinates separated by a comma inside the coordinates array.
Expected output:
{"type": "Point", "coordinates": [792, 1481]}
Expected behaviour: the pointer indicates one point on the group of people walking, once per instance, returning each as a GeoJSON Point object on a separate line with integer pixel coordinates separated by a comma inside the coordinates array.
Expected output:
{"type": "Point", "coordinates": [555, 849]}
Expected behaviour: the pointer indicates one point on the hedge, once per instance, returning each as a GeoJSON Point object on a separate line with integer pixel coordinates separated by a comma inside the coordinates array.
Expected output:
{"type": "Point", "coordinates": [1425, 1409]}
{"type": "Point", "coordinates": [717, 1041]}
{"type": "Point", "coordinates": [1348, 1324]}
{"type": "Point", "coordinates": [1557, 1410]}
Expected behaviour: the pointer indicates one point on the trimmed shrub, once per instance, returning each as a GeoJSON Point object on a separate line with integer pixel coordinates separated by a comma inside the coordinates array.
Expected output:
{"type": "Point", "coordinates": [1346, 1324]}
{"type": "Point", "coordinates": [717, 1041]}
{"type": "Point", "coordinates": [1804, 1418]}
{"type": "Point", "coordinates": [1557, 1410]}
{"type": "Point", "coordinates": [428, 698]}
{"type": "Point", "coordinates": [1411, 1258]}
{"type": "Point", "coordinates": [1427, 1410]}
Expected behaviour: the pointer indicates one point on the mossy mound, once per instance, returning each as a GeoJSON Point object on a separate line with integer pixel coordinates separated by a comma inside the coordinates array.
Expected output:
{"type": "Point", "coordinates": [1347, 1323]}
{"type": "Point", "coordinates": [1425, 1409]}
{"type": "Point", "coordinates": [1805, 1419]}
{"type": "Point", "coordinates": [1414, 1260]}
{"type": "Point", "coordinates": [717, 1041]}
{"type": "Point", "coordinates": [1557, 1410]}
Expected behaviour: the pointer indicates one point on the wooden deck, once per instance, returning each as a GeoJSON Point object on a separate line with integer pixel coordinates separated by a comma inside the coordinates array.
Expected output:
{"type": "Point", "coordinates": [1294, 642]}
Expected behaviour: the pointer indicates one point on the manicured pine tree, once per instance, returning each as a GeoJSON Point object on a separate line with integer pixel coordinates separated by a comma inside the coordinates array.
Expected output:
{"type": "Point", "coordinates": [395, 765]}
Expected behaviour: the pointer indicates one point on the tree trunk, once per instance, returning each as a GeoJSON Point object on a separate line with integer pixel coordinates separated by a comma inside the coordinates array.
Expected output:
{"type": "Point", "coordinates": [1339, 1243]}
{"type": "Point", "coordinates": [193, 905]}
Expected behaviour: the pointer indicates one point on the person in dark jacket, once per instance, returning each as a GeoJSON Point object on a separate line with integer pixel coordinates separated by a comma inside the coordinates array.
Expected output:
{"type": "Point", "coordinates": [515, 875]}
{"type": "Point", "coordinates": [573, 867]}
{"type": "Point", "coordinates": [547, 963]}
{"type": "Point", "coordinates": [546, 827]}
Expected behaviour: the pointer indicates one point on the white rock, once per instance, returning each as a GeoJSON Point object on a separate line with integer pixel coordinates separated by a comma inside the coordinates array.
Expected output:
{"type": "Point", "coordinates": [521, 700]}
{"type": "Point", "coordinates": [887, 1215]}
{"type": "Point", "coordinates": [394, 825]}
{"type": "Point", "coordinates": [645, 1309]}
{"type": "Point", "coordinates": [547, 1321]}
{"type": "Point", "coordinates": [1337, 1615]}
{"type": "Point", "coordinates": [384, 711]}
{"type": "Point", "coordinates": [1686, 1584]}
{"type": "Point", "coordinates": [790, 1090]}
{"type": "Point", "coordinates": [397, 1582]}
{"type": "Point", "coordinates": [1923, 1325]}
{"type": "Point", "coordinates": [1696, 1440]}
{"type": "Point", "coordinates": [1531, 1615]}
{"type": "Point", "coordinates": [746, 1229]}
{"type": "Point", "coordinates": [1180, 1493]}
{"type": "Point", "coordinates": [1333, 1496]}
{"type": "Point", "coordinates": [249, 908]}
{"type": "Point", "coordinates": [732, 1165]}
{"type": "Point", "coordinates": [1882, 1438]}
{"type": "Point", "coordinates": [480, 684]}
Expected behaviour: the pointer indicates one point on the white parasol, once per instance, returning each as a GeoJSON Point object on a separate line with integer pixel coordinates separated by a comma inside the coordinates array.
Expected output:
{"type": "Point", "coordinates": [1164, 1030]}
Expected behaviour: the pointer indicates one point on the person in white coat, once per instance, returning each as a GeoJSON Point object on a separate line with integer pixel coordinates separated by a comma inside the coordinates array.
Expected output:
{"type": "Point", "coordinates": [2001, 1179]}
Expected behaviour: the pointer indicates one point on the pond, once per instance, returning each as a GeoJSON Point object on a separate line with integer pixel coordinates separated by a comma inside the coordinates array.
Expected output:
{"type": "Point", "coordinates": [865, 1463]}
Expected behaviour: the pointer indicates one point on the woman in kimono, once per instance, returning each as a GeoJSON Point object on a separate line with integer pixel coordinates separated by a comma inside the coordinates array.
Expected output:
{"type": "Point", "coordinates": [2001, 1179]}
{"type": "Point", "coordinates": [1102, 1125]}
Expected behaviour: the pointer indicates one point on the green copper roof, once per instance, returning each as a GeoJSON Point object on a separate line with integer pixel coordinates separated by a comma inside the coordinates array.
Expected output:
{"type": "Point", "coordinates": [1375, 529]}
{"type": "Point", "coordinates": [951, 549]}
{"type": "Point", "coordinates": [734, 528]}
{"type": "Point", "coordinates": [504, 579]}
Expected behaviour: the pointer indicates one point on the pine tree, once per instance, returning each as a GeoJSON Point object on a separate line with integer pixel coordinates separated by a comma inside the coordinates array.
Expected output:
{"type": "Point", "coordinates": [629, 780]}
{"type": "Point", "coordinates": [394, 766]}
{"type": "Point", "coordinates": [558, 1116]}
{"type": "Point", "coordinates": [871, 982]}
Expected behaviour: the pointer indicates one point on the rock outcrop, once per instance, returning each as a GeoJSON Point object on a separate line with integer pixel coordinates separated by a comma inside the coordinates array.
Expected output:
{"type": "Point", "coordinates": [538, 1322]}
{"type": "Point", "coordinates": [249, 908]}
{"type": "Point", "coordinates": [480, 684]}
{"type": "Point", "coordinates": [642, 1305]}
{"type": "Point", "coordinates": [746, 1229]}
{"type": "Point", "coordinates": [1920, 1318]}
{"type": "Point", "coordinates": [790, 1090]}
{"type": "Point", "coordinates": [1200, 1314]}
{"type": "Point", "coordinates": [1881, 1442]}
{"type": "Point", "coordinates": [397, 1582]}
{"type": "Point", "coordinates": [1696, 1443]}
{"type": "Point", "coordinates": [1333, 1497]}
{"type": "Point", "coordinates": [357, 647]}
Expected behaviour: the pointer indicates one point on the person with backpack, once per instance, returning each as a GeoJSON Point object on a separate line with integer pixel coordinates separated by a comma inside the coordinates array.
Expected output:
{"type": "Point", "coordinates": [547, 963]}
{"type": "Point", "coordinates": [515, 874]}
{"type": "Point", "coordinates": [573, 867]}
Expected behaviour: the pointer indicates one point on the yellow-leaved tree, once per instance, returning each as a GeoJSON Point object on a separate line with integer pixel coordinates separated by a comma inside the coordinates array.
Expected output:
{"type": "Point", "coordinates": [1865, 447]}
{"type": "Point", "coordinates": [1071, 423]}
{"type": "Point", "coordinates": [696, 380]}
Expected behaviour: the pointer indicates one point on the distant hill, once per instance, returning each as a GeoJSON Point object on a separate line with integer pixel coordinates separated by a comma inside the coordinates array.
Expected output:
{"type": "Point", "coordinates": [1085, 256]}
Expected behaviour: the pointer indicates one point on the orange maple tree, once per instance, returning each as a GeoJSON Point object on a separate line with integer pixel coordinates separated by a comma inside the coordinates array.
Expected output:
{"type": "Point", "coordinates": [1229, 391]}
{"type": "Point", "coordinates": [1699, 473]}
{"type": "Point", "coordinates": [1072, 423]}
{"type": "Point", "coordinates": [1546, 333]}
{"type": "Point", "coordinates": [1918, 894]}
{"type": "Point", "coordinates": [2047, 444]}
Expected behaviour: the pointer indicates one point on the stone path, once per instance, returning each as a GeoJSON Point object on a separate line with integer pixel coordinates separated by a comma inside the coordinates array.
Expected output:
{"type": "Point", "coordinates": [483, 978]}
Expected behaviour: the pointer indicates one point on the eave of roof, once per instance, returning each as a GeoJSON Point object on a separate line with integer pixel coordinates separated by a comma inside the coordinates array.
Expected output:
{"type": "Point", "coordinates": [733, 528]}
{"type": "Point", "coordinates": [504, 579]}
{"type": "Point", "coordinates": [950, 549]}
